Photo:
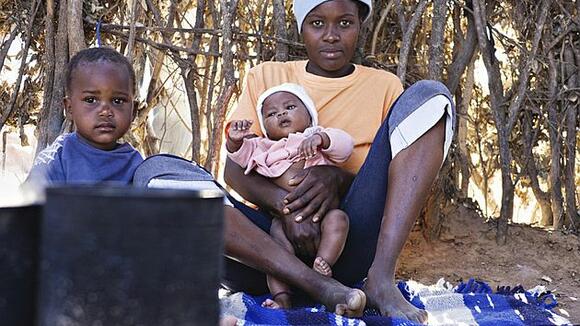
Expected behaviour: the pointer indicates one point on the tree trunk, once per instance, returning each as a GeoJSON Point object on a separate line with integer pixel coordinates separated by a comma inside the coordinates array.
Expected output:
{"type": "Point", "coordinates": [463, 56]}
{"type": "Point", "coordinates": [7, 112]}
{"type": "Point", "coordinates": [281, 31]}
{"type": "Point", "coordinates": [497, 99]}
{"type": "Point", "coordinates": [49, 61]}
{"type": "Point", "coordinates": [76, 34]}
{"type": "Point", "coordinates": [228, 17]}
{"type": "Point", "coordinates": [462, 114]}
{"type": "Point", "coordinates": [554, 182]}
{"type": "Point", "coordinates": [407, 44]}
{"type": "Point", "coordinates": [6, 45]}
{"type": "Point", "coordinates": [436, 40]}
{"type": "Point", "coordinates": [528, 163]}
{"type": "Point", "coordinates": [571, 112]}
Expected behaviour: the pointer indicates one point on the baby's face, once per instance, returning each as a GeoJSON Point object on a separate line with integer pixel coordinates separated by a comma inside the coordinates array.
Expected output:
{"type": "Point", "coordinates": [101, 103]}
{"type": "Point", "coordinates": [284, 113]}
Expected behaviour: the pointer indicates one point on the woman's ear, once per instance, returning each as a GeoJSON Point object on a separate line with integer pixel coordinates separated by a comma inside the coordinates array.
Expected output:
{"type": "Point", "coordinates": [67, 106]}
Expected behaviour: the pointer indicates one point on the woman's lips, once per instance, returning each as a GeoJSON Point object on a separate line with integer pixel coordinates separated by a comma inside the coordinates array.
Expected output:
{"type": "Point", "coordinates": [331, 53]}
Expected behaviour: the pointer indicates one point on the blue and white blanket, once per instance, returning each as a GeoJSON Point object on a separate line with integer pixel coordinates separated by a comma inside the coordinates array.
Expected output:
{"type": "Point", "coordinates": [469, 303]}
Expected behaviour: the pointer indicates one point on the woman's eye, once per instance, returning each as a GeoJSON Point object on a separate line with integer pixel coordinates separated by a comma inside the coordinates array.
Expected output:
{"type": "Point", "coordinates": [345, 23]}
{"type": "Point", "coordinates": [89, 100]}
{"type": "Point", "coordinates": [317, 23]}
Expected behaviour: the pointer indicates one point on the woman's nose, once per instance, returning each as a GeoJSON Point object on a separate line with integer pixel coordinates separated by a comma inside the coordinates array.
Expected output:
{"type": "Point", "coordinates": [331, 34]}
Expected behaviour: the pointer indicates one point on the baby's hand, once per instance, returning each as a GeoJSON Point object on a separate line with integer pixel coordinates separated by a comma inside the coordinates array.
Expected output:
{"type": "Point", "coordinates": [309, 146]}
{"type": "Point", "coordinates": [239, 129]}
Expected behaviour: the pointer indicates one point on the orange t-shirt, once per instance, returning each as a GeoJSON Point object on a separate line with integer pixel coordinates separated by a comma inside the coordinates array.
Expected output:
{"type": "Point", "coordinates": [357, 103]}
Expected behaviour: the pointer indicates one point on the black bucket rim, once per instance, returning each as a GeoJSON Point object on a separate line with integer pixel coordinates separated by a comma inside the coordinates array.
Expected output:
{"type": "Point", "coordinates": [114, 191]}
{"type": "Point", "coordinates": [20, 206]}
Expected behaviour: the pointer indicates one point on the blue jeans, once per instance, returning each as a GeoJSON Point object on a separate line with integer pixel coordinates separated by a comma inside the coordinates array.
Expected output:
{"type": "Point", "coordinates": [364, 203]}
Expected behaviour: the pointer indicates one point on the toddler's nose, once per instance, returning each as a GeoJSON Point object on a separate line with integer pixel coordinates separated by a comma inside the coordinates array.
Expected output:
{"type": "Point", "coordinates": [283, 113]}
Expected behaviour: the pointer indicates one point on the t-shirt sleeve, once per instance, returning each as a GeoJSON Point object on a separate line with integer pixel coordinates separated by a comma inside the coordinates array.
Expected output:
{"type": "Point", "coordinates": [394, 90]}
{"type": "Point", "coordinates": [246, 108]}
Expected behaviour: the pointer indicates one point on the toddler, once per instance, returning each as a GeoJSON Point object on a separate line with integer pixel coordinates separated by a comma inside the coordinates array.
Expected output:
{"type": "Point", "coordinates": [99, 98]}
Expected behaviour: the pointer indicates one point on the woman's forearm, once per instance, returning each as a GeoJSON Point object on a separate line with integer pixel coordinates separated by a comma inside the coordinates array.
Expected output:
{"type": "Point", "coordinates": [255, 188]}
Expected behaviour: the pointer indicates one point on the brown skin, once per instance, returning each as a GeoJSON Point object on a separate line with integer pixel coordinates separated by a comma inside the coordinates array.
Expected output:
{"type": "Point", "coordinates": [100, 102]}
{"type": "Point", "coordinates": [318, 189]}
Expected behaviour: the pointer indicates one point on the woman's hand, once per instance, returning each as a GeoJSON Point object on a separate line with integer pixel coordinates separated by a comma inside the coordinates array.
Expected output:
{"type": "Point", "coordinates": [318, 189]}
{"type": "Point", "coordinates": [304, 237]}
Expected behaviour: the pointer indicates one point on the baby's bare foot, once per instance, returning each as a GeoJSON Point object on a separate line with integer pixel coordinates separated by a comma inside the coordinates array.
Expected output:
{"type": "Point", "coordinates": [322, 267]}
{"type": "Point", "coordinates": [269, 303]}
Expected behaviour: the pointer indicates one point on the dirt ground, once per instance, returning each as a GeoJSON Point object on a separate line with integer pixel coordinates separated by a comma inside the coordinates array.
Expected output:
{"type": "Point", "coordinates": [467, 248]}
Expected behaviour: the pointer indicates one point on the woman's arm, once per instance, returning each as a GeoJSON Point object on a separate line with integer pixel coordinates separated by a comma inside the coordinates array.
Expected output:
{"type": "Point", "coordinates": [255, 188]}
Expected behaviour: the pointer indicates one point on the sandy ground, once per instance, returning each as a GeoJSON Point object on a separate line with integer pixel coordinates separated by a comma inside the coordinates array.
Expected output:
{"type": "Point", "coordinates": [468, 249]}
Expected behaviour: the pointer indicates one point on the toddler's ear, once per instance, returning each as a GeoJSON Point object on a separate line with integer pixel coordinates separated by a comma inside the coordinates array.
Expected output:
{"type": "Point", "coordinates": [67, 106]}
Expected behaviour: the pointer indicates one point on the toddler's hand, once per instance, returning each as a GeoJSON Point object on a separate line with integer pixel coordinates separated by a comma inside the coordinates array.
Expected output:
{"type": "Point", "coordinates": [310, 146]}
{"type": "Point", "coordinates": [239, 129]}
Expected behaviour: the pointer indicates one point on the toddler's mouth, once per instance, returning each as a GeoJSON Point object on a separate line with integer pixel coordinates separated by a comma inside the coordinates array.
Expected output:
{"type": "Point", "coordinates": [285, 122]}
{"type": "Point", "coordinates": [105, 126]}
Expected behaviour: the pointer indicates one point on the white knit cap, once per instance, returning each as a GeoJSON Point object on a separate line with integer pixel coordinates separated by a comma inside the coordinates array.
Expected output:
{"type": "Point", "coordinates": [303, 7]}
{"type": "Point", "coordinates": [295, 89]}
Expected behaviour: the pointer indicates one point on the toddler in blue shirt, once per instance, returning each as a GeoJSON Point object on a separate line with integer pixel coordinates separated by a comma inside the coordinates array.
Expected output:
{"type": "Point", "coordinates": [99, 98]}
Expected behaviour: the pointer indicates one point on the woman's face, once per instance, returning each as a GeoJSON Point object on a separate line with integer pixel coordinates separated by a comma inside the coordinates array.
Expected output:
{"type": "Point", "coordinates": [330, 33]}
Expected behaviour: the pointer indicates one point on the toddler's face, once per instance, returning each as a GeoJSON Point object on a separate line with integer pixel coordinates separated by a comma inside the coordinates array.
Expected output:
{"type": "Point", "coordinates": [101, 103]}
{"type": "Point", "coordinates": [284, 113]}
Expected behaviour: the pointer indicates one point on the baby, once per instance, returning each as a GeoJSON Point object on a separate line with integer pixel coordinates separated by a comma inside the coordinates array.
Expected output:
{"type": "Point", "coordinates": [99, 98]}
{"type": "Point", "coordinates": [292, 142]}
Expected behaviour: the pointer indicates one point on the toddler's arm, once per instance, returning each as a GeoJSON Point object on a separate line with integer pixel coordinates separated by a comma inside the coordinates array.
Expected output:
{"type": "Point", "coordinates": [239, 129]}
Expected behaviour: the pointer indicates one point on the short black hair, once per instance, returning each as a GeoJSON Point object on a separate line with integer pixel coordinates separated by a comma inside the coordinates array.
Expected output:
{"type": "Point", "coordinates": [92, 55]}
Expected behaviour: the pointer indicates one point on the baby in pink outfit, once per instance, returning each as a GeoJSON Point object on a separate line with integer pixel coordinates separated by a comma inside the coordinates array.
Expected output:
{"type": "Point", "coordinates": [293, 141]}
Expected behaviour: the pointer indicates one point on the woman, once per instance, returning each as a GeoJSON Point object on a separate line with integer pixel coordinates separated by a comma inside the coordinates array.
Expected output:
{"type": "Point", "coordinates": [382, 187]}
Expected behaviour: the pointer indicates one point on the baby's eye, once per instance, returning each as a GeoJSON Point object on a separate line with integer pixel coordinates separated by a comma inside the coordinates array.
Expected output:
{"type": "Point", "coordinates": [291, 107]}
{"type": "Point", "coordinates": [271, 114]}
{"type": "Point", "coordinates": [345, 23]}
{"type": "Point", "coordinates": [89, 100]}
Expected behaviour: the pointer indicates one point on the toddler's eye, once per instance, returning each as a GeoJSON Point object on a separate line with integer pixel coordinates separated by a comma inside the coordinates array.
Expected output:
{"type": "Point", "coordinates": [119, 101]}
{"type": "Point", "coordinates": [271, 114]}
{"type": "Point", "coordinates": [291, 107]}
{"type": "Point", "coordinates": [89, 100]}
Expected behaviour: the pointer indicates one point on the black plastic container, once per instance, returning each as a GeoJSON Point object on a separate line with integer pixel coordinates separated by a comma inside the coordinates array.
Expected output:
{"type": "Point", "coordinates": [130, 256]}
{"type": "Point", "coordinates": [19, 229]}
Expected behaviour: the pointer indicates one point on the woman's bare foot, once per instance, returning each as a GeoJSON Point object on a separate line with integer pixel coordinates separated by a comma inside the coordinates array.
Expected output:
{"type": "Point", "coordinates": [386, 297]}
{"type": "Point", "coordinates": [228, 321]}
{"type": "Point", "coordinates": [321, 266]}
{"type": "Point", "coordinates": [339, 298]}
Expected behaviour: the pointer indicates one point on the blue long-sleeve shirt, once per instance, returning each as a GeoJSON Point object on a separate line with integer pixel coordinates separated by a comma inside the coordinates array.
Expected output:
{"type": "Point", "coordinates": [71, 160]}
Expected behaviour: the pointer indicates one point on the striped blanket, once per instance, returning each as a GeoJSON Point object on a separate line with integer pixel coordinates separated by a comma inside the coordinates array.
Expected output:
{"type": "Point", "coordinates": [468, 303]}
